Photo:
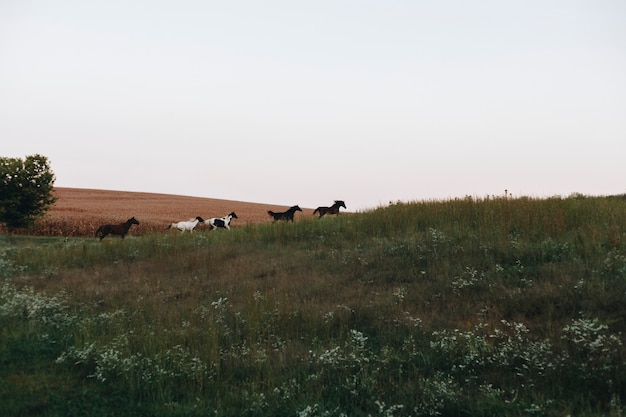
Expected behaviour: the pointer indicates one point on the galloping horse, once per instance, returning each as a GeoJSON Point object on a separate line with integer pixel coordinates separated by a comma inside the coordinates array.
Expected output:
{"type": "Point", "coordinates": [334, 209]}
{"type": "Point", "coordinates": [188, 225]}
{"type": "Point", "coordinates": [285, 215]}
{"type": "Point", "coordinates": [223, 222]}
{"type": "Point", "coordinates": [115, 229]}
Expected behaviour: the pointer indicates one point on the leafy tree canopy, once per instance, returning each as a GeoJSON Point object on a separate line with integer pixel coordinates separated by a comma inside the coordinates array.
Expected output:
{"type": "Point", "coordinates": [25, 190]}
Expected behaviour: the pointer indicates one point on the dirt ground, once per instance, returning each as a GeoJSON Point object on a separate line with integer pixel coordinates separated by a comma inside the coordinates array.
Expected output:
{"type": "Point", "coordinates": [79, 212]}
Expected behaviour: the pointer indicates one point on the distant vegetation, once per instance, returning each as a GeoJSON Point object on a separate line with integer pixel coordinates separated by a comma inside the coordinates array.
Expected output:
{"type": "Point", "coordinates": [468, 307]}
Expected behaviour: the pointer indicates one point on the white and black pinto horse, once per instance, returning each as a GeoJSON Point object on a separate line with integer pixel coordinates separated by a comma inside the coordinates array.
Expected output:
{"type": "Point", "coordinates": [186, 225]}
{"type": "Point", "coordinates": [221, 222]}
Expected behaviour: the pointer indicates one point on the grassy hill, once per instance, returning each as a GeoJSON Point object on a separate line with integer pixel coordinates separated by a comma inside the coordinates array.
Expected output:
{"type": "Point", "coordinates": [468, 307]}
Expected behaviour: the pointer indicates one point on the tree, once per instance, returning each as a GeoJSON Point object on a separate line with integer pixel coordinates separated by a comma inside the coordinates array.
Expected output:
{"type": "Point", "coordinates": [25, 190]}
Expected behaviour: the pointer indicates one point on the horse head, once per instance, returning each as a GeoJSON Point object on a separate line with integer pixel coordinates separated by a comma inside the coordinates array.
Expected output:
{"type": "Point", "coordinates": [296, 208]}
{"type": "Point", "coordinates": [340, 203]}
{"type": "Point", "coordinates": [233, 215]}
{"type": "Point", "coordinates": [200, 219]}
{"type": "Point", "coordinates": [132, 220]}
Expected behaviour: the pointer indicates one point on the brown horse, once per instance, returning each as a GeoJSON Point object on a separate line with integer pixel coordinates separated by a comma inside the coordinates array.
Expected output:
{"type": "Point", "coordinates": [115, 229]}
{"type": "Point", "coordinates": [285, 215]}
{"type": "Point", "coordinates": [334, 209]}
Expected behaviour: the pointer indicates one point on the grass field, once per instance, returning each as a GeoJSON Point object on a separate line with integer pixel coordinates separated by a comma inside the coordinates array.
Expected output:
{"type": "Point", "coordinates": [466, 307]}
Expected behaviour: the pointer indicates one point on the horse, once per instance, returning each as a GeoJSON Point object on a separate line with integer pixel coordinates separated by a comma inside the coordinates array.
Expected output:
{"type": "Point", "coordinates": [223, 222]}
{"type": "Point", "coordinates": [116, 229]}
{"type": "Point", "coordinates": [334, 209]}
{"type": "Point", "coordinates": [186, 225]}
{"type": "Point", "coordinates": [285, 215]}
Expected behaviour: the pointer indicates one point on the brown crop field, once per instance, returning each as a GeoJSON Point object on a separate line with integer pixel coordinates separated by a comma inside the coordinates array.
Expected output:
{"type": "Point", "coordinates": [79, 212]}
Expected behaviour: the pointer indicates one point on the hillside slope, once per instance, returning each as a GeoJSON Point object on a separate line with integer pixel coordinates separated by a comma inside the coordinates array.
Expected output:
{"type": "Point", "coordinates": [79, 212]}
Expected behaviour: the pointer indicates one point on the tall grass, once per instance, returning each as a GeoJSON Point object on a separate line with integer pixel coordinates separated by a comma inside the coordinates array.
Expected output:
{"type": "Point", "coordinates": [464, 307]}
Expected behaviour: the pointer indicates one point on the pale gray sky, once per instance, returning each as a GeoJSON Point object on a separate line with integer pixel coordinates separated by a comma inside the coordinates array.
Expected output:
{"type": "Point", "coordinates": [293, 102]}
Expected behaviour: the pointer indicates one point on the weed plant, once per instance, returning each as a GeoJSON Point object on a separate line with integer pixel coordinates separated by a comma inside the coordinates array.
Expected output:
{"type": "Point", "coordinates": [468, 307]}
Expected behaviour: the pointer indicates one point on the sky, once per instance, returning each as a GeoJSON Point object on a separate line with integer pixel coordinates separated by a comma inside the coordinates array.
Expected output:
{"type": "Point", "coordinates": [294, 102]}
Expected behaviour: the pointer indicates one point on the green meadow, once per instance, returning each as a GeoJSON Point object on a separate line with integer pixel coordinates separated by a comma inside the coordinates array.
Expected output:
{"type": "Point", "coordinates": [466, 307]}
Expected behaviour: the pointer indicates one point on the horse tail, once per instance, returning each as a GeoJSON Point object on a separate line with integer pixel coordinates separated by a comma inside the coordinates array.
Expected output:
{"type": "Point", "coordinates": [102, 231]}
{"type": "Point", "coordinates": [316, 210]}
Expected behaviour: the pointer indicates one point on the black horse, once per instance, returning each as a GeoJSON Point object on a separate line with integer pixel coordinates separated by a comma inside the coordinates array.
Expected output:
{"type": "Point", "coordinates": [334, 209]}
{"type": "Point", "coordinates": [115, 229]}
{"type": "Point", "coordinates": [285, 215]}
